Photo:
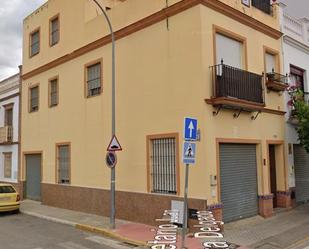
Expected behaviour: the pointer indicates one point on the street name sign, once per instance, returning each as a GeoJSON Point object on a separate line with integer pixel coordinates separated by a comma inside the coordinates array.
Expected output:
{"type": "Point", "coordinates": [189, 152]}
{"type": "Point", "coordinates": [190, 129]}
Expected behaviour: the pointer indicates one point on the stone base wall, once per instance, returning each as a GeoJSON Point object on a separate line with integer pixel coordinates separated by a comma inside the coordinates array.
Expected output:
{"type": "Point", "coordinates": [266, 206]}
{"type": "Point", "coordinates": [137, 207]}
{"type": "Point", "coordinates": [284, 199]}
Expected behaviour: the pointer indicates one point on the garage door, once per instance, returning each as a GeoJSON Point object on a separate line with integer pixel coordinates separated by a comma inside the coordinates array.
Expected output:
{"type": "Point", "coordinates": [238, 178]}
{"type": "Point", "coordinates": [33, 177]}
{"type": "Point", "coordinates": [301, 163]}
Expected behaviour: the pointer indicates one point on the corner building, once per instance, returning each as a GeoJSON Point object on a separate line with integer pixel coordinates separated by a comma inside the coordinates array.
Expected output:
{"type": "Point", "coordinates": [197, 58]}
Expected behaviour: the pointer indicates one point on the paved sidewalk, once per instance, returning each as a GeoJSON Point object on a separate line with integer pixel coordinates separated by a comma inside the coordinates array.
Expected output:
{"type": "Point", "coordinates": [129, 232]}
{"type": "Point", "coordinates": [284, 230]}
{"type": "Point", "coordinates": [288, 229]}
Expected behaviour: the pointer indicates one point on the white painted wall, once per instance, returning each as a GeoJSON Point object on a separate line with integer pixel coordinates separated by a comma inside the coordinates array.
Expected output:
{"type": "Point", "coordinates": [295, 52]}
{"type": "Point", "coordinates": [9, 88]}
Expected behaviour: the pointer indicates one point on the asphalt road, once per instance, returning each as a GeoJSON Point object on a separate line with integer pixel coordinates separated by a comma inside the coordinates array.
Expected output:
{"type": "Point", "coordinates": [18, 231]}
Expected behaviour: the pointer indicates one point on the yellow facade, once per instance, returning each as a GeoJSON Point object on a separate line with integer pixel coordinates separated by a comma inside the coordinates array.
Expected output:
{"type": "Point", "coordinates": [162, 76]}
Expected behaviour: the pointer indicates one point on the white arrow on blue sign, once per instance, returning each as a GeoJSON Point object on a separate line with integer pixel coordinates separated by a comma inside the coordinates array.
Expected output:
{"type": "Point", "coordinates": [189, 152]}
{"type": "Point", "coordinates": [190, 129]}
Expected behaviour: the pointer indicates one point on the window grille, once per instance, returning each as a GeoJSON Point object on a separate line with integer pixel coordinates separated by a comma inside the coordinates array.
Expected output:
{"type": "Point", "coordinates": [63, 164]}
{"type": "Point", "coordinates": [54, 31]}
{"type": "Point", "coordinates": [94, 79]}
{"type": "Point", "coordinates": [35, 43]}
{"type": "Point", "coordinates": [53, 92]}
{"type": "Point", "coordinates": [163, 165]}
{"type": "Point", "coordinates": [7, 165]}
{"type": "Point", "coordinates": [34, 99]}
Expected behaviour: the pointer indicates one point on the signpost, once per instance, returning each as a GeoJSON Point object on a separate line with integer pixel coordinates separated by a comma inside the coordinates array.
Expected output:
{"type": "Point", "coordinates": [188, 157]}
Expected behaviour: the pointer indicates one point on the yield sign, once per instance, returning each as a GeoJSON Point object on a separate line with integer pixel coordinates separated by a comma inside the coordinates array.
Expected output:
{"type": "Point", "coordinates": [114, 145]}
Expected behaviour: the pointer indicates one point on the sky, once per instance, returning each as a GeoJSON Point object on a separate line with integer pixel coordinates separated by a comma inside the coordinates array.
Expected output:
{"type": "Point", "coordinates": [12, 12]}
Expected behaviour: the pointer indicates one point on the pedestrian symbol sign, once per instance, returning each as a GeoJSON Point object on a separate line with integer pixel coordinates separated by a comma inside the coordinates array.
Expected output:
{"type": "Point", "coordinates": [190, 129]}
{"type": "Point", "coordinates": [114, 145]}
{"type": "Point", "coordinates": [189, 150]}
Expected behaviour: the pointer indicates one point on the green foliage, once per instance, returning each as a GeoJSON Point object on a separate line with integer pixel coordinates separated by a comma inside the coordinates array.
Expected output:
{"type": "Point", "coordinates": [302, 115]}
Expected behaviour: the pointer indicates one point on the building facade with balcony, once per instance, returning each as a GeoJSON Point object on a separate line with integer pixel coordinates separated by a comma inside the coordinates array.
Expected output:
{"type": "Point", "coordinates": [201, 58]}
{"type": "Point", "coordinates": [9, 130]}
{"type": "Point", "coordinates": [296, 63]}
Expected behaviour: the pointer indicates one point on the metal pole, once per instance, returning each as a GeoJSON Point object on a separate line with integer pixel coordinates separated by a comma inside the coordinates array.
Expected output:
{"type": "Point", "coordinates": [113, 173]}
{"type": "Point", "coordinates": [185, 209]}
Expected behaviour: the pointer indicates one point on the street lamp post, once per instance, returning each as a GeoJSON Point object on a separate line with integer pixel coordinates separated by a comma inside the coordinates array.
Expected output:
{"type": "Point", "coordinates": [112, 214]}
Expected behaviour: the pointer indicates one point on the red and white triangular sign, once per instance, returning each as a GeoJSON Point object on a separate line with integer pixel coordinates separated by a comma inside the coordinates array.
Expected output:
{"type": "Point", "coordinates": [114, 145]}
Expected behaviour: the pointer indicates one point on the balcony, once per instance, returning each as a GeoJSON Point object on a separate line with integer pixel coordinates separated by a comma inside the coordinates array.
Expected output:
{"type": "Point", "coordinates": [263, 5]}
{"type": "Point", "coordinates": [236, 89]}
{"type": "Point", "coordinates": [6, 134]}
{"type": "Point", "coordinates": [276, 82]}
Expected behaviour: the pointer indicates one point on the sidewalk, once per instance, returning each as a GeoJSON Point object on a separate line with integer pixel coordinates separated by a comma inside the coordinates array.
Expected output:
{"type": "Point", "coordinates": [287, 229]}
{"type": "Point", "coordinates": [132, 233]}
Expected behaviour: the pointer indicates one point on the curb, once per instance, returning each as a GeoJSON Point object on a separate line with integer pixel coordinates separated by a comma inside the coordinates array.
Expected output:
{"type": "Point", "coordinates": [110, 234]}
{"type": "Point", "coordinates": [65, 222]}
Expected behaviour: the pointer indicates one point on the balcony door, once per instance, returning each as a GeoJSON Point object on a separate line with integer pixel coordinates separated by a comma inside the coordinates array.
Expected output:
{"type": "Point", "coordinates": [270, 63]}
{"type": "Point", "coordinates": [297, 77]}
{"type": "Point", "coordinates": [8, 119]}
{"type": "Point", "coordinates": [230, 51]}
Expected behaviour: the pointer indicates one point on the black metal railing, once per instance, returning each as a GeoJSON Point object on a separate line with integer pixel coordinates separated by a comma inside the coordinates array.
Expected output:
{"type": "Point", "coordinates": [236, 83]}
{"type": "Point", "coordinates": [263, 5]}
{"type": "Point", "coordinates": [277, 77]}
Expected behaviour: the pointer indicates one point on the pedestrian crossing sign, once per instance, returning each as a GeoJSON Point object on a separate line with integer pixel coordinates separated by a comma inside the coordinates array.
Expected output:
{"type": "Point", "coordinates": [189, 152]}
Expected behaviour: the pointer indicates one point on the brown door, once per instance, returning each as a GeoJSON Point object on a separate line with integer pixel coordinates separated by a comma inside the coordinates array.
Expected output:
{"type": "Point", "coordinates": [273, 176]}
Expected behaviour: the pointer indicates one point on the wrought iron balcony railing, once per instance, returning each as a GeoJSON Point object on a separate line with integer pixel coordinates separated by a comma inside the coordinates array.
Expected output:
{"type": "Point", "coordinates": [6, 134]}
{"type": "Point", "coordinates": [263, 5]}
{"type": "Point", "coordinates": [276, 81]}
{"type": "Point", "coordinates": [237, 84]}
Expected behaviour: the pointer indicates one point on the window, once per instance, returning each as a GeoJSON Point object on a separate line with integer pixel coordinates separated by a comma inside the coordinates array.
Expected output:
{"type": "Point", "coordinates": [163, 160]}
{"type": "Point", "coordinates": [53, 92]}
{"type": "Point", "coordinates": [297, 77]}
{"type": "Point", "coordinates": [7, 164]}
{"type": "Point", "coordinates": [34, 43]}
{"type": "Point", "coordinates": [230, 51]}
{"type": "Point", "coordinates": [94, 79]}
{"type": "Point", "coordinates": [34, 99]}
{"type": "Point", "coordinates": [63, 163]}
{"type": "Point", "coordinates": [270, 63]}
{"type": "Point", "coordinates": [54, 31]}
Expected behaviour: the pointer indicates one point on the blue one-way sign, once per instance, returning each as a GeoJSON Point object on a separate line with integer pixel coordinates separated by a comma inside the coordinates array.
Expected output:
{"type": "Point", "coordinates": [189, 150]}
{"type": "Point", "coordinates": [190, 129]}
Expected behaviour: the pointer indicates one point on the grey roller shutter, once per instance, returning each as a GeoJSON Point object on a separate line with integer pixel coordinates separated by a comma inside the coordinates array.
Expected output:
{"type": "Point", "coordinates": [301, 161]}
{"type": "Point", "coordinates": [33, 177]}
{"type": "Point", "coordinates": [238, 178]}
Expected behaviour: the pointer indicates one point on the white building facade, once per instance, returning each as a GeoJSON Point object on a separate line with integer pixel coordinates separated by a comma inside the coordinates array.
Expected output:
{"type": "Point", "coordinates": [295, 48]}
{"type": "Point", "coordinates": [9, 129]}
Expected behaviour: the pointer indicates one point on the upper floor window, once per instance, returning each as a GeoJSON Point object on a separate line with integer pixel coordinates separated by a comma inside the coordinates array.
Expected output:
{"type": "Point", "coordinates": [230, 51]}
{"type": "Point", "coordinates": [34, 42]}
{"type": "Point", "coordinates": [263, 5]}
{"type": "Point", "coordinates": [34, 99]}
{"type": "Point", "coordinates": [94, 79]}
{"type": "Point", "coordinates": [54, 31]}
{"type": "Point", "coordinates": [53, 92]}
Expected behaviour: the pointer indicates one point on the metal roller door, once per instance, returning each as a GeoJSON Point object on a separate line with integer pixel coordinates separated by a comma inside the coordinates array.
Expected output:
{"type": "Point", "coordinates": [33, 177]}
{"type": "Point", "coordinates": [301, 163]}
{"type": "Point", "coordinates": [238, 178]}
